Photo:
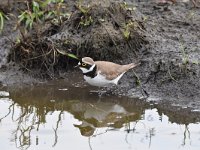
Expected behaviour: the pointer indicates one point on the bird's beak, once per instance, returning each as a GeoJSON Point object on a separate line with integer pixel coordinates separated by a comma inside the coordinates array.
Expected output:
{"type": "Point", "coordinates": [77, 65]}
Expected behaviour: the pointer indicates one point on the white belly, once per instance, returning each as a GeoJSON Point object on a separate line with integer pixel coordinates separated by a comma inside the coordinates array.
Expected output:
{"type": "Point", "coordinates": [101, 81]}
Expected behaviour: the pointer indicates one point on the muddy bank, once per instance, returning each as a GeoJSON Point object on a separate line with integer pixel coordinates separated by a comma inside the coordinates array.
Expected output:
{"type": "Point", "coordinates": [164, 38]}
{"type": "Point", "coordinates": [173, 71]}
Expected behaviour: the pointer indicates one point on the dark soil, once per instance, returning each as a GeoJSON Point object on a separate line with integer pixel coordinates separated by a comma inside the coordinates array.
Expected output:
{"type": "Point", "coordinates": [172, 66]}
{"type": "Point", "coordinates": [164, 38]}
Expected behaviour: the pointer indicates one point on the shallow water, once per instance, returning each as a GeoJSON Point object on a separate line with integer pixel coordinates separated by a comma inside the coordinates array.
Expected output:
{"type": "Point", "coordinates": [66, 115]}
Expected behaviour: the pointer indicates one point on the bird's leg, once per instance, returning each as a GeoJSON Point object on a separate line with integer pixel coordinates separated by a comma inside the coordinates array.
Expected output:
{"type": "Point", "coordinates": [101, 91]}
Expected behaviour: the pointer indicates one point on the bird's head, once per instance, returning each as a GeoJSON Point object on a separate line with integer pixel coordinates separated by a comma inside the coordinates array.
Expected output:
{"type": "Point", "coordinates": [86, 64]}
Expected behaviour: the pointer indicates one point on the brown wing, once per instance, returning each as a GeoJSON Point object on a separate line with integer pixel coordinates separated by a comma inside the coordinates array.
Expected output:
{"type": "Point", "coordinates": [112, 70]}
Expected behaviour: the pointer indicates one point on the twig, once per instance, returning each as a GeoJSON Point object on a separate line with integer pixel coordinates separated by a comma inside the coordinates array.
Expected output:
{"type": "Point", "coordinates": [9, 108]}
{"type": "Point", "coordinates": [140, 84]}
{"type": "Point", "coordinates": [56, 129]}
{"type": "Point", "coordinates": [171, 75]}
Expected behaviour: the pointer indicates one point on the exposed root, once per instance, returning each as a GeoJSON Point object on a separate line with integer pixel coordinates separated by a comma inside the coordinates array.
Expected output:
{"type": "Point", "coordinates": [39, 57]}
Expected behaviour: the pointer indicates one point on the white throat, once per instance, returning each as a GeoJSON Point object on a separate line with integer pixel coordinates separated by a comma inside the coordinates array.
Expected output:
{"type": "Point", "coordinates": [84, 70]}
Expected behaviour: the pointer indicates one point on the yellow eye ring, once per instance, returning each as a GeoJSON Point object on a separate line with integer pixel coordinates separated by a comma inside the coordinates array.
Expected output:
{"type": "Point", "coordinates": [83, 64]}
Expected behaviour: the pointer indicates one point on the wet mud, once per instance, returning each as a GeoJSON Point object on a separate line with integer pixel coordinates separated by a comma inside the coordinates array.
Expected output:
{"type": "Point", "coordinates": [164, 38]}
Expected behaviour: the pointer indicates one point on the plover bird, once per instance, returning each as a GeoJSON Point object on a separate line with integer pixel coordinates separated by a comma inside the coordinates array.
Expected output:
{"type": "Point", "coordinates": [102, 73]}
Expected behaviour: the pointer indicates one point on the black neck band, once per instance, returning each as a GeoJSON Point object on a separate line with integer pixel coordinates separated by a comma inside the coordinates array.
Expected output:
{"type": "Point", "coordinates": [92, 73]}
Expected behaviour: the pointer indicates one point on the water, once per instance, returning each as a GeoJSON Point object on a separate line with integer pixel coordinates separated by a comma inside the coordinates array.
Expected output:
{"type": "Point", "coordinates": [65, 115]}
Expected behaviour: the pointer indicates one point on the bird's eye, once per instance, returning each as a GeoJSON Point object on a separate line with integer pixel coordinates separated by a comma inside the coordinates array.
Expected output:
{"type": "Point", "coordinates": [83, 64]}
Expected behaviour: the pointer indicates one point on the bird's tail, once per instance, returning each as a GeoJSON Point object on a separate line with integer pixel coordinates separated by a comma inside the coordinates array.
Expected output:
{"type": "Point", "coordinates": [125, 68]}
{"type": "Point", "coordinates": [133, 65]}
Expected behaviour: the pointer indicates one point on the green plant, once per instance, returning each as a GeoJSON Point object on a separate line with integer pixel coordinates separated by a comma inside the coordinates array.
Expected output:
{"type": "Point", "coordinates": [86, 22]}
{"type": "Point", "coordinates": [196, 62]}
{"type": "Point", "coordinates": [86, 18]}
{"type": "Point", "coordinates": [185, 58]}
{"type": "Point", "coordinates": [83, 9]}
{"type": "Point", "coordinates": [41, 11]}
{"type": "Point", "coordinates": [2, 20]}
{"type": "Point", "coordinates": [138, 81]}
{"type": "Point", "coordinates": [31, 15]}
{"type": "Point", "coordinates": [126, 33]}
{"type": "Point", "coordinates": [128, 6]}
{"type": "Point", "coordinates": [170, 75]}
{"type": "Point", "coordinates": [191, 15]}
{"type": "Point", "coordinates": [55, 11]}
{"type": "Point", "coordinates": [67, 54]}
{"type": "Point", "coordinates": [127, 29]}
